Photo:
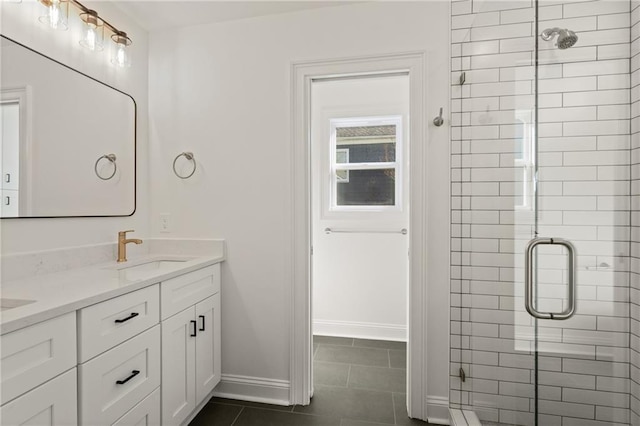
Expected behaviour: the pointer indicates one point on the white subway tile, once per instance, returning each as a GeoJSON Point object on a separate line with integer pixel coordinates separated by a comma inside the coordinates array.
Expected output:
{"type": "Point", "coordinates": [588, 23]}
{"type": "Point", "coordinates": [492, 5]}
{"type": "Point", "coordinates": [618, 66]}
{"type": "Point", "coordinates": [499, 32]}
{"type": "Point", "coordinates": [614, 112]}
{"type": "Point", "coordinates": [619, 20]}
{"type": "Point", "coordinates": [601, 158]}
{"type": "Point", "coordinates": [614, 81]}
{"type": "Point", "coordinates": [595, 8]}
{"type": "Point", "coordinates": [481, 48]}
{"type": "Point", "coordinates": [501, 60]}
{"type": "Point", "coordinates": [602, 37]}
{"type": "Point", "coordinates": [576, 143]}
{"type": "Point", "coordinates": [596, 397]}
{"type": "Point", "coordinates": [610, 414]}
{"type": "Point", "coordinates": [572, 84]}
{"type": "Point", "coordinates": [461, 7]}
{"type": "Point", "coordinates": [581, 381]}
{"type": "Point", "coordinates": [599, 97]}
{"type": "Point", "coordinates": [614, 51]}
{"type": "Point", "coordinates": [548, 115]}
{"type": "Point", "coordinates": [575, 54]}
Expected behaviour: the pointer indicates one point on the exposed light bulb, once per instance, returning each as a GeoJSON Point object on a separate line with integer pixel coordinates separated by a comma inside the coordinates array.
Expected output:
{"type": "Point", "coordinates": [56, 17]}
{"type": "Point", "coordinates": [121, 58]}
{"type": "Point", "coordinates": [93, 32]}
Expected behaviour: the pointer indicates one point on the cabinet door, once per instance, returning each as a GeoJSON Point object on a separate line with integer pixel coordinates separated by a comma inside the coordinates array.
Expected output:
{"type": "Point", "coordinates": [178, 367]}
{"type": "Point", "coordinates": [51, 404]}
{"type": "Point", "coordinates": [208, 366]}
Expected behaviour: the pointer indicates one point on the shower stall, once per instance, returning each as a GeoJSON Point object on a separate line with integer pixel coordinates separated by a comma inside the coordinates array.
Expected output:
{"type": "Point", "coordinates": [545, 153]}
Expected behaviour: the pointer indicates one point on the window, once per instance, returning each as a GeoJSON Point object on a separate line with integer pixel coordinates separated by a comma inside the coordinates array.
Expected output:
{"type": "Point", "coordinates": [366, 167]}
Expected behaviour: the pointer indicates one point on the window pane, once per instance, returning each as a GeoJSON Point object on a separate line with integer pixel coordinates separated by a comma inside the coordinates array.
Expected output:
{"type": "Point", "coordinates": [367, 188]}
{"type": "Point", "coordinates": [366, 144]}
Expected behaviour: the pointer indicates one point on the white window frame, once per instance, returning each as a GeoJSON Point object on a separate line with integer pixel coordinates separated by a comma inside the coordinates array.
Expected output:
{"type": "Point", "coordinates": [344, 151]}
{"type": "Point", "coordinates": [397, 165]}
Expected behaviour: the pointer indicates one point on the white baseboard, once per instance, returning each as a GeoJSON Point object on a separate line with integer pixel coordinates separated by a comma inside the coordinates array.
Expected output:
{"type": "Point", "coordinates": [253, 389]}
{"type": "Point", "coordinates": [362, 330]}
{"type": "Point", "coordinates": [438, 410]}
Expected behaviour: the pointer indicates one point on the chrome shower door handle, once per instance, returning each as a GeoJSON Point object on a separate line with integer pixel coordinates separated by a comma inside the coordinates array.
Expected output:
{"type": "Point", "coordinates": [528, 279]}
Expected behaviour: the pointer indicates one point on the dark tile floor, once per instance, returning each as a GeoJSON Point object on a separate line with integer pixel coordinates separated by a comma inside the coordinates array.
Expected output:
{"type": "Point", "coordinates": [357, 382]}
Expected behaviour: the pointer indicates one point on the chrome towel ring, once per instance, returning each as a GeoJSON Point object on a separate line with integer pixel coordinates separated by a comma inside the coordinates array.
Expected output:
{"type": "Point", "coordinates": [189, 156]}
{"type": "Point", "coordinates": [112, 159]}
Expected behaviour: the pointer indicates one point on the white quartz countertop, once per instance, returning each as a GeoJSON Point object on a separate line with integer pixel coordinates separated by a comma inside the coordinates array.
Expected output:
{"type": "Point", "coordinates": [62, 292]}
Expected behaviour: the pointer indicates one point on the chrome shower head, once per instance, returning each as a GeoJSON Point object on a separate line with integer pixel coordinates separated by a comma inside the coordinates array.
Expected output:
{"type": "Point", "coordinates": [566, 38]}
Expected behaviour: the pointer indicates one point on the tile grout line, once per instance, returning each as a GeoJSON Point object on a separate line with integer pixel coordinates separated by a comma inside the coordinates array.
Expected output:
{"type": "Point", "coordinates": [236, 419]}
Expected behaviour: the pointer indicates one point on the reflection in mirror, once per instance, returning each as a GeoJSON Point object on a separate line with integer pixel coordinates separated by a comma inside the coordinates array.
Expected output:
{"type": "Point", "coordinates": [68, 144]}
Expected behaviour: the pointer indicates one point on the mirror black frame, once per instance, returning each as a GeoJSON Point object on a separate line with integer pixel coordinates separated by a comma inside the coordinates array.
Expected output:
{"type": "Point", "coordinates": [135, 139]}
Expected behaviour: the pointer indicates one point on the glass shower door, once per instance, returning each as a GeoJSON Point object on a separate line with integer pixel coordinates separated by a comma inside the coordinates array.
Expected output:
{"type": "Point", "coordinates": [541, 150]}
{"type": "Point", "coordinates": [582, 195]}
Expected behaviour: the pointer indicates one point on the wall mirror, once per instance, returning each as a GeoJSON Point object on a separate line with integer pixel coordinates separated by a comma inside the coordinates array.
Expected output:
{"type": "Point", "coordinates": [68, 140]}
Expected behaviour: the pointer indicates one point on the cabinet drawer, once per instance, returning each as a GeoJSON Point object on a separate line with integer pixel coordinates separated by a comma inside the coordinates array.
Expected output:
{"type": "Point", "coordinates": [186, 290]}
{"type": "Point", "coordinates": [35, 354]}
{"type": "Point", "coordinates": [104, 325]}
{"type": "Point", "coordinates": [145, 413]}
{"type": "Point", "coordinates": [109, 384]}
{"type": "Point", "coordinates": [53, 403]}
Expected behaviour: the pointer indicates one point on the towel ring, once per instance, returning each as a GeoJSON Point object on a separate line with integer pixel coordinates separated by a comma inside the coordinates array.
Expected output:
{"type": "Point", "coordinates": [189, 156]}
{"type": "Point", "coordinates": [112, 160]}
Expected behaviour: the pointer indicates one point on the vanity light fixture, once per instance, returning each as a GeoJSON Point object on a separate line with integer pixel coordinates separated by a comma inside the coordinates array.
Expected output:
{"type": "Point", "coordinates": [121, 58]}
{"type": "Point", "coordinates": [57, 13]}
{"type": "Point", "coordinates": [93, 31]}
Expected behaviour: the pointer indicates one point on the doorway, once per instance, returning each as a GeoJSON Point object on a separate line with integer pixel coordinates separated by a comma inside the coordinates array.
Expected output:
{"type": "Point", "coordinates": [359, 262]}
{"type": "Point", "coordinates": [303, 75]}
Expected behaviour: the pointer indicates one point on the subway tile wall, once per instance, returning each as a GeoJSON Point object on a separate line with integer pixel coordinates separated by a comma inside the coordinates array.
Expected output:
{"type": "Point", "coordinates": [635, 215]}
{"type": "Point", "coordinates": [586, 373]}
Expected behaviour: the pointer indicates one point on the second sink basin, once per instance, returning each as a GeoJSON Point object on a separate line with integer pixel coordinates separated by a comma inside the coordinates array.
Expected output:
{"type": "Point", "coordinates": [6, 303]}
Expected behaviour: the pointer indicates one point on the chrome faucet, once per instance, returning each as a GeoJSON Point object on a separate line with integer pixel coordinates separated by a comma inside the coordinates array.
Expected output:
{"type": "Point", "coordinates": [122, 244]}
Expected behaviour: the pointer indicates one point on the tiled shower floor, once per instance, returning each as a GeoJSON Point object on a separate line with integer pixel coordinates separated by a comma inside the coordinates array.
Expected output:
{"type": "Point", "coordinates": [356, 383]}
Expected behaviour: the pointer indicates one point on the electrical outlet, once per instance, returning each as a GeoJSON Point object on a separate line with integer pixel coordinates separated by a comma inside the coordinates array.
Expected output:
{"type": "Point", "coordinates": [165, 222]}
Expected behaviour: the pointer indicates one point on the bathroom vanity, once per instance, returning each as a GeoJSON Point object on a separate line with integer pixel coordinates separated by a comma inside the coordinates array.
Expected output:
{"type": "Point", "coordinates": [112, 344]}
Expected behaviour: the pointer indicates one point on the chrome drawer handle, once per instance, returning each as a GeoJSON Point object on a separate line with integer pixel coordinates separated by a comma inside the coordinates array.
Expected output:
{"type": "Point", "coordinates": [133, 315]}
{"type": "Point", "coordinates": [134, 373]}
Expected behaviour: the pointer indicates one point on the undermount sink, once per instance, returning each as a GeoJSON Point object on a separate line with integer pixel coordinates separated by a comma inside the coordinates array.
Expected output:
{"type": "Point", "coordinates": [142, 268]}
{"type": "Point", "coordinates": [6, 304]}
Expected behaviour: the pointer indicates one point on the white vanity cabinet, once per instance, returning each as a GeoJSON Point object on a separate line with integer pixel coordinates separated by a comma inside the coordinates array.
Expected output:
{"type": "Point", "coordinates": [38, 374]}
{"type": "Point", "coordinates": [190, 342]}
{"type": "Point", "coordinates": [120, 359]}
{"type": "Point", "coordinates": [147, 357]}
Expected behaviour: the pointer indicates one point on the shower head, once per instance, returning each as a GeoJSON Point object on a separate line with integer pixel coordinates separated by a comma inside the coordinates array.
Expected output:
{"type": "Point", "coordinates": [566, 38]}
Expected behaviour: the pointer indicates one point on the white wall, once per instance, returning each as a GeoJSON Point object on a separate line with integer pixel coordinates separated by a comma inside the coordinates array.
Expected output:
{"type": "Point", "coordinates": [359, 280]}
{"type": "Point", "coordinates": [223, 92]}
{"type": "Point", "coordinates": [20, 22]}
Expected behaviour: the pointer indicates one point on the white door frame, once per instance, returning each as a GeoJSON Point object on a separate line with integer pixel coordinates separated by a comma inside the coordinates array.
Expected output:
{"type": "Point", "coordinates": [302, 74]}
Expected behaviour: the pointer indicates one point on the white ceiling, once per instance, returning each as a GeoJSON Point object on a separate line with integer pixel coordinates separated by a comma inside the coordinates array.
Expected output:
{"type": "Point", "coordinates": [157, 14]}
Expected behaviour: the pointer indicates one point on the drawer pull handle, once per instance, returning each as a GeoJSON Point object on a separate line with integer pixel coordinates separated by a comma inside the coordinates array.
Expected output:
{"type": "Point", "coordinates": [194, 328]}
{"type": "Point", "coordinates": [134, 373]}
{"type": "Point", "coordinates": [202, 326]}
{"type": "Point", "coordinates": [133, 315]}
